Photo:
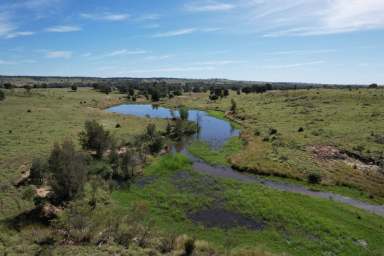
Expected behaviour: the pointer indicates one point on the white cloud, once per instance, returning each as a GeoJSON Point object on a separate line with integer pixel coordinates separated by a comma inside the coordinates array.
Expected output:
{"type": "Point", "coordinates": [19, 33]}
{"type": "Point", "coordinates": [6, 62]}
{"type": "Point", "coordinates": [58, 54]}
{"type": "Point", "coordinates": [209, 6]}
{"type": "Point", "coordinates": [217, 62]}
{"type": "Point", "coordinates": [303, 52]}
{"type": "Point", "coordinates": [179, 32]}
{"type": "Point", "coordinates": [125, 52]}
{"type": "Point", "coordinates": [313, 17]}
{"type": "Point", "coordinates": [117, 53]}
{"type": "Point", "coordinates": [185, 31]}
{"type": "Point", "coordinates": [293, 65]}
{"type": "Point", "coordinates": [170, 70]}
{"type": "Point", "coordinates": [106, 16]}
{"type": "Point", "coordinates": [63, 29]}
{"type": "Point", "coordinates": [159, 57]}
{"type": "Point", "coordinates": [148, 17]}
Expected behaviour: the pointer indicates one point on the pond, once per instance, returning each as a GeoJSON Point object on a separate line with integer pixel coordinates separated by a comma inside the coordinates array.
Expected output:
{"type": "Point", "coordinates": [213, 131]}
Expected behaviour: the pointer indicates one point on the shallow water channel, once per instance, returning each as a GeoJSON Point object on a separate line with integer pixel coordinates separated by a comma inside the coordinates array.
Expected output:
{"type": "Point", "coordinates": [216, 132]}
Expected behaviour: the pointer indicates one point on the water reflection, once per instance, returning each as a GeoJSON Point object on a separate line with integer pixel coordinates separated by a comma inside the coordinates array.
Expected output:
{"type": "Point", "coordinates": [214, 131]}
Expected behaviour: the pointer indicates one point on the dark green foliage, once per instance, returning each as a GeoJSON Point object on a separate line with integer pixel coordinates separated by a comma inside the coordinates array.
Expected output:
{"type": "Point", "coordinates": [128, 164]}
{"type": "Point", "coordinates": [74, 87]}
{"type": "Point", "coordinates": [38, 171]}
{"type": "Point", "coordinates": [27, 88]}
{"type": "Point", "coordinates": [2, 95]}
{"type": "Point", "coordinates": [107, 89]}
{"type": "Point", "coordinates": [233, 106]}
{"type": "Point", "coordinates": [373, 86]}
{"type": "Point", "coordinates": [154, 139]}
{"type": "Point", "coordinates": [196, 89]}
{"type": "Point", "coordinates": [378, 138]}
{"type": "Point", "coordinates": [68, 171]}
{"type": "Point", "coordinates": [272, 131]}
{"type": "Point", "coordinates": [95, 138]}
{"type": "Point", "coordinates": [257, 88]}
{"type": "Point", "coordinates": [113, 159]}
{"type": "Point", "coordinates": [189, 247]}
{"type": "Point", "coordinates": [314, 178]}
{"type": "Point", "coordinates": [183, 113]}
{"type": "Point", "coordinates": [155, 95]}
{"type": "Point", "coordinates": [213, 97]}
{"type": "Point", "coordinates": [151, 141]}
{"type": "Point", "coordinates": [177, 93]}
{"type": "Point", "coordinates": [131, 92]}
{"type": "Point", "coordinates": [8, 86]}
{"type": "Point", "coordinates": [301, 129]}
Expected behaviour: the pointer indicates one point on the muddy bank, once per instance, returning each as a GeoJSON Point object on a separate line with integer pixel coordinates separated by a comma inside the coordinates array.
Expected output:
{"type": "Point", "coordinates": [227, 172]}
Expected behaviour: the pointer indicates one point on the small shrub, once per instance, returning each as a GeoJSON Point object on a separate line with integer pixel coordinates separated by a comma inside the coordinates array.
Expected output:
{"type": "Point", "coordinates": [2, 95]}
{"type": "Point", "coordinates": [183, 113]}
{"type": "Point", "coordinates": [189, 246]}
{"type": "Point", "coordinates": [272, 131]}
{"type": "Point", "coordinates": [74, 88]}
{"type": "Point", "coordinates": [29, 111]}
{"type": "Point", "coordinates": [38, 171]}
{"type": "Point", "coordinates": [233, 108]}
{"type": "Point", "coordinates": [118, 126]}
{"type": "Point", "coordinates": [95, 138]}
{"type": "Point", "coordinates": [301, 129]}
{"type": "Point", "coordinates": [68, 171]}
{"type": "Point", "coordinates": [314, 178]}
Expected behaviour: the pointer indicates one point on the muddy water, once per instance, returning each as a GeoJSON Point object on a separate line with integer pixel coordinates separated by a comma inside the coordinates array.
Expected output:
{"type": "Point", "coordinates": [216, 132]}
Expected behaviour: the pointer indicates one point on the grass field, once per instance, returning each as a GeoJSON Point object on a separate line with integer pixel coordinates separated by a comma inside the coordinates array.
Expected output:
{"type": "Point", "coordinates": [175, 195]}
{"type": "Point", "coordinates": [32, 123]}
{"type": "Point", "coordinates": [295, 224]}
{"type": "Point", "coordinates": [343, 119]}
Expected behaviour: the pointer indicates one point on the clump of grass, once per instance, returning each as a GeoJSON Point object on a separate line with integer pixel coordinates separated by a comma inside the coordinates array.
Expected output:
{"type": "Point", "coordinates": [314, 178]}
{"type": "Point", "coordinates": [216, 157]}
{"type": "Point", "coordinates": [170, 162]}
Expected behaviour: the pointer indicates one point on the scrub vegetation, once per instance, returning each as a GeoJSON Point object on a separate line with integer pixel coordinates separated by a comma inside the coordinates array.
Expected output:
{"type": "Point", "coordinates": [78, 180]}
{"type": "Point", "coordinates": [299, 134]}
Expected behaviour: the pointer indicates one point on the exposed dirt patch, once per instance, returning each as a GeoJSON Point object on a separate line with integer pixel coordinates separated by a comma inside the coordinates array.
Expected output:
{"type": "Point", "coordinates": [43, 192]}
{"type": "Point", "coordinates": [222, 218]}
{"type": "Point", "coordinates": [328, 153]}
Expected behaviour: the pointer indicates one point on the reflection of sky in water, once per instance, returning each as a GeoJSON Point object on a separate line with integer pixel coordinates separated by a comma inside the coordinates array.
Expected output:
{"type": "Point", "coordinates": [213, 130]}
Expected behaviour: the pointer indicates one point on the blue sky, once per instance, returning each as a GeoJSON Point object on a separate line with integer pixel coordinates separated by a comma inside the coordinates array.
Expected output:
{"type": "Point", "coordinates": [328, 41]}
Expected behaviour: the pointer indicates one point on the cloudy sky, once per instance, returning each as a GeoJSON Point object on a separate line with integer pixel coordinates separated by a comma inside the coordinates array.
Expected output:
{"type": "Point", "coordinates": [329, 41]}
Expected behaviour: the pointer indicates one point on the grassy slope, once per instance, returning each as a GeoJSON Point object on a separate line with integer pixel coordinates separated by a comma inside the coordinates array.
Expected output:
{"type": "Point", "coordinates": [56, 114]}
{"type": "Point", "coordinates": [341, 118]}
{"type": "Point", "coordinates": [295, 224]}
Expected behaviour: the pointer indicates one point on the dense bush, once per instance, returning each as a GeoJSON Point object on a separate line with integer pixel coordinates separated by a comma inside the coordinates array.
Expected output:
{"type": "Point", "coordinates": [68, 171]}
{"type": "Point", "coordinates": [233, 108]}
{"type": "Point", "coordinates": [95, 138]}
{"type": "Point", "coordinates": [2, 95]}
{"type": "Point", "coordinates": [74, 88]}
{"type": "Point", "coordinates": [314, 178]}
{"type": "Point", "coordinates": [183, 113]}
{"type": "Point", "coordinates": [38, 171]}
